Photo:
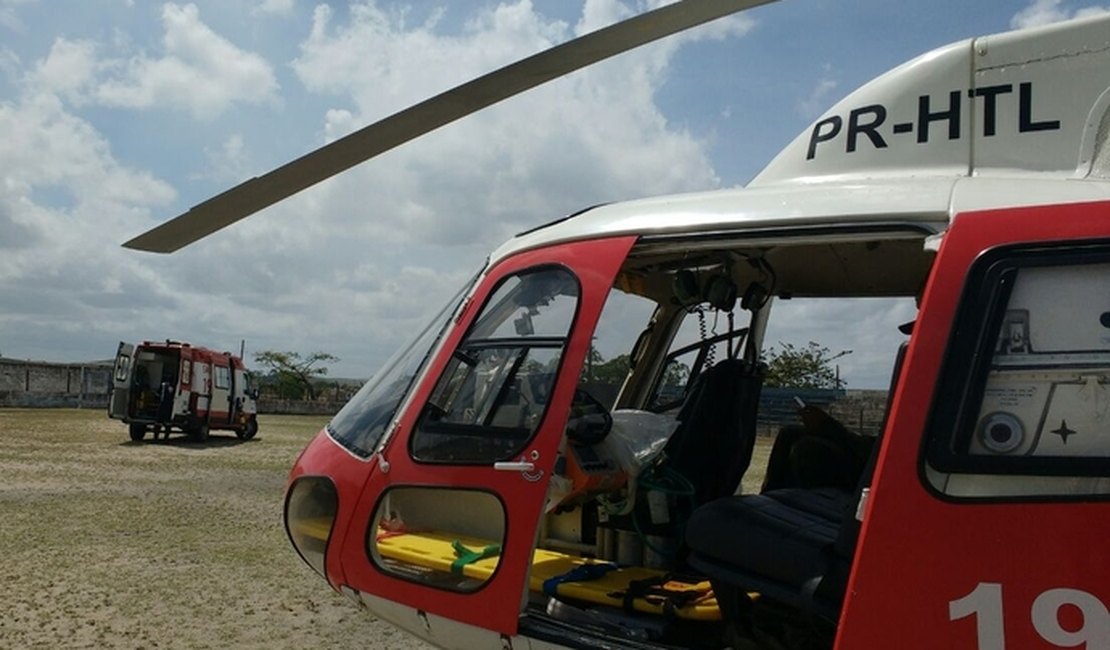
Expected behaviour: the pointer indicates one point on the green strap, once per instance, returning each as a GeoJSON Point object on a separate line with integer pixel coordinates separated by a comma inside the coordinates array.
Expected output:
{"type": "Point", "coordinates": [466, 556]}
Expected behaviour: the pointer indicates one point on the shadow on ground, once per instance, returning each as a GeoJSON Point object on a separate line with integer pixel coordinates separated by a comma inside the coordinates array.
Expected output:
{"type": "Point", "coordinates": [184, 442]}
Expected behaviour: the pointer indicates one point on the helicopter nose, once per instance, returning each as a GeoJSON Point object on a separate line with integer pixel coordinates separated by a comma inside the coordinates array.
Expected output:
{"type": "Point", "coordinates": [311, 505]}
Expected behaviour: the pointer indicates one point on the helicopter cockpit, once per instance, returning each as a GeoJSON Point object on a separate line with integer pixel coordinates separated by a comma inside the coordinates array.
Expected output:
{"type": "Point", "coordinates": [663, 420]}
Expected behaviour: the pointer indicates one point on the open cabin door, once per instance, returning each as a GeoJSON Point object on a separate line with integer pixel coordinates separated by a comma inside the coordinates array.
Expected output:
{"type": "Point", "coordinates": [121, 381]}
{"type": "Point", "coordinates": [989, 514]}
{"type": "Point", "coordinates": [447, 523]}
{"type": "Point", "coordinates": [221, 404]}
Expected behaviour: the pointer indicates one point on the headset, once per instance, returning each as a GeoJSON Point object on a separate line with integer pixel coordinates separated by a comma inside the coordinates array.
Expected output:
{"type": "Point", "coordinates": [718, 290]}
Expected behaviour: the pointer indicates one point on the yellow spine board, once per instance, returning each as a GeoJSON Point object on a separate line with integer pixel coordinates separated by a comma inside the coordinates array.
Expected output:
{"type": "Point", "coordinates": [318, 528]}
{"type": "Point", "coordinates": [437, 551]}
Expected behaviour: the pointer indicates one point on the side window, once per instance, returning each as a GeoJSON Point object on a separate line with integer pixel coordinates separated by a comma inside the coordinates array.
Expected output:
{"type": "Point", "coordinates": [123, 366]}
{"type": "Point", "coordinates": [1024, 405]}
{"type": "Point", "coordinates": [222, 377]}
{"type": "Point", "coordinates": [494, 392]}
{"type": "Point", "coordinates": [459, 540]}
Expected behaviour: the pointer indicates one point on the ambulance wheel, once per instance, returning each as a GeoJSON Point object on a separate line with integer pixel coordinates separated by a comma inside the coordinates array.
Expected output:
{"type": "Point", "coordinates": [138, 432]}
{"type": "Point", "coordinates": [199, 433]}
{"type": "Point", "coordinates": [248, 430]}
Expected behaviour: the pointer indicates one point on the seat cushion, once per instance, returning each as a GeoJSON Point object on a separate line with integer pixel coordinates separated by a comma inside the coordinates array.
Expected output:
{"type": "Point", "coordinates": [832, 504]}
{"type": "Point", "coordinates": [786, 536]}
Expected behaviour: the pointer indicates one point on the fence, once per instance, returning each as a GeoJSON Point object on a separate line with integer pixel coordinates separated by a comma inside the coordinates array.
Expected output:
{"type": "Point", "coordinates": [859, 410]}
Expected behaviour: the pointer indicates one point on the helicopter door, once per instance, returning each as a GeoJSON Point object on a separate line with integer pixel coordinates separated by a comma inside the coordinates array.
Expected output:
{"type": "Point", "coordinates": [990, 498]}
{"type": "Point", "coordinates": [121, 381]}
{"type": "Point", "coordinates": [447, 525]}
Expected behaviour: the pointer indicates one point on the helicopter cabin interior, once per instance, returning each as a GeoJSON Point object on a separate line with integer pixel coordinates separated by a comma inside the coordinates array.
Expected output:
{"type": "Point", "coordinates": [643, 531]}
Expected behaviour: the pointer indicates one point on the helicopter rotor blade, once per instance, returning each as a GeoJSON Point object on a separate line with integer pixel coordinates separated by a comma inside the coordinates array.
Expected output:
{"type": "Point", "coordinates": [259, 192]}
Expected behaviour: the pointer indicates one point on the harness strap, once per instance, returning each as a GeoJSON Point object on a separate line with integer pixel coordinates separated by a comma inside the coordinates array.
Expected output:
{"type": "Point", "coordinates": [467, 556]}
{"type": "Point", "coordinates": [580, 573]}
{"type": "Point", "coordinates": [657, 592]}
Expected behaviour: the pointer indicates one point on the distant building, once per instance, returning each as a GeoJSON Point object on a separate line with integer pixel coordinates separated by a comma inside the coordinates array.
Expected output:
{"type": "Point", "coordinates": [58, 385]}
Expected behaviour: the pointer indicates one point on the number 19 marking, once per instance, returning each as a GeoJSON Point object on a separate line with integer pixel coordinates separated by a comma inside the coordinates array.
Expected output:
{"type": "Point", "coordinates": [985, 604]}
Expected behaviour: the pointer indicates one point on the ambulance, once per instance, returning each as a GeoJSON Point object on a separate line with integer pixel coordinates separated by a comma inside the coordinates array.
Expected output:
{"type": "Point", "coordinates": [162, 386]}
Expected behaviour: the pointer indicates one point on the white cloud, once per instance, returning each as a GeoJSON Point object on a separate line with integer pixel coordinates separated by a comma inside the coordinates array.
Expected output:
{"type": "Point", "coordinates": [8, 15]}
{"type": "Point", "coordinates": [351, 266]}
{"type": "Point", "coordinates": [818, 99]}
{"type": "Point", "coordinates": [866, 326]}
{"type": "Point", "coordinates": [65, 203]}
{"type": "Point", "coordinates": [1044, 12]}
{"type": "Point", "coordinates": [10, 65]}
{"type": "Point", "coordinates": [198, 71]}
{"type": "Point", "coordinates": [366, 254]}
{"type": "Point", "coordinates": [595, 136]}
{"type": "Point", "coordinates": [46, 148]}
{"type": "Point", "coordinates": [276, 7]}
{"type": "Point", "coordinates": [602, 13]}
{"type": "Point", "coordinates": [68, 70]}
{"type": "Point", "coordinates": [228, 164]}
{"type": "Point", "coordinates": [597, 14]}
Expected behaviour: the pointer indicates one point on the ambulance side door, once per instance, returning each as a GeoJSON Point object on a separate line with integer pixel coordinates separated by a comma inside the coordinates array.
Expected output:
{"type": "Point", "coordinates": [121, 381]}
{"type": "Point", "coordinates": [220, 404]}
{"type": "Point", "coordinates": [202, 386]}
{"type": "Point", "coordinates": [988, 522]}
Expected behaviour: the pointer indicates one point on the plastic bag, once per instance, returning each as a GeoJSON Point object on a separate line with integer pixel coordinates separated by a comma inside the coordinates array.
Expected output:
{"type": "Point", "coordinates": [637, 437]}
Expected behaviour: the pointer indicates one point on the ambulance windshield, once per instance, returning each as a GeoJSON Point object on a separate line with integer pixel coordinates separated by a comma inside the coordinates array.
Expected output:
{"type": "Point", "coordinates": [360, 425]}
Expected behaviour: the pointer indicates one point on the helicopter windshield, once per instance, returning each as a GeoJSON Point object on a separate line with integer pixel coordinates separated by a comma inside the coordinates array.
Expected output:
{"type": "Point", "coordinates": [492, 396]}
{"type": "Point", "coordinates": [362, 422]}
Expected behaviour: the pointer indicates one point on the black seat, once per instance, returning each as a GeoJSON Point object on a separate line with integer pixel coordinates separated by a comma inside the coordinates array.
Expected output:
{"type": "Point", "coordinates": [712, 446]}
{"type": "Point", "coordinates": [794, 545]}
{"type": "Point", "coordinates": [781, 543]}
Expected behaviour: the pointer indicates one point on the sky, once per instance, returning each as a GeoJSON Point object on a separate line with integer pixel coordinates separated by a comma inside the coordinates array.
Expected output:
{"type": "Point", "coordinates": [116, 115]}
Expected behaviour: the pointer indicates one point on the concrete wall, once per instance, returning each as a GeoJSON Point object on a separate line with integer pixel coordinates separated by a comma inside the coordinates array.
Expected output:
{"type": "Point", "coordinates": [38, 384]}
{"type": "Point", "coordinates": [298, 407]}
{"type": "Point", "coordinates": [53, 385]}
{"type": "Point", "coordinates": [58, 385]}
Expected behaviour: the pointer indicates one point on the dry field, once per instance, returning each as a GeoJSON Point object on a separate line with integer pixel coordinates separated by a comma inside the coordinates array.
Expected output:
{"type": "Point", "coordinates": [114, 544]}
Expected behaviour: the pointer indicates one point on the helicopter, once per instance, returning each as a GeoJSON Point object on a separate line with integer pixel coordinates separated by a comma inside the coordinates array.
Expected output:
{"type": "Point", "coordinates": [478, 492]}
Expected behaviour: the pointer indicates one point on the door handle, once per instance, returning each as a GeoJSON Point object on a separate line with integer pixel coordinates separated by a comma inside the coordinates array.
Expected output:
{"type": "Point", "coordinates": [515, 466]}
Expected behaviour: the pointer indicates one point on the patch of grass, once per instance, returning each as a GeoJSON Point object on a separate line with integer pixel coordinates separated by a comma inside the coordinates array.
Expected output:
{"type": "Point", "coordinates": [114, 544]}
{"type": "Point", "coordinates": [169, 544]}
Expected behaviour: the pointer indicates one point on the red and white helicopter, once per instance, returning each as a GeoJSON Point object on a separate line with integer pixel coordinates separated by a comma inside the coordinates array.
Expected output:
{"type": "Point", "coordinates": [477, 494]}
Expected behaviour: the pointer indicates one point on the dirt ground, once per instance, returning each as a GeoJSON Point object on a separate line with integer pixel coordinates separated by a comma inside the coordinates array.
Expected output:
{"type": "Point", "coordinates": [114, 544]}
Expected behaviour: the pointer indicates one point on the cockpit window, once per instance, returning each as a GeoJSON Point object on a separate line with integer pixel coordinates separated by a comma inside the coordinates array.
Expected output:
{"type": "Point", "coordinates": [494, 392]}
{"type": "Point", "coordinates": [360, 425]}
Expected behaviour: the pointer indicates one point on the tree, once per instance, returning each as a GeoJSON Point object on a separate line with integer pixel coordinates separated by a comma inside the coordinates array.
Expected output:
{"type": "Point", "coordinates": [610, 372]}
{"type": "Point", "coordinates": [292, 374]}
{"type": "Point", "coordinates": [809, 367]}
{"type": "Point", "coordinates": [615, 370]}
